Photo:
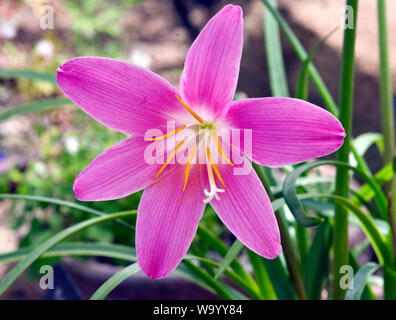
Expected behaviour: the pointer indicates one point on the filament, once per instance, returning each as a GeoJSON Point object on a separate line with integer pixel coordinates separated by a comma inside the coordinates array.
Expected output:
{"type": "Point", "coordinates": [167, 135]}
{"type": "Point", "coordinates": [189, 109]}
{"type": "Point", "coordinates": [188, 167]}
{"type": "Point", "coordinates": [170, 158]}
{"type": "Point", "coordinates": [216, 138]}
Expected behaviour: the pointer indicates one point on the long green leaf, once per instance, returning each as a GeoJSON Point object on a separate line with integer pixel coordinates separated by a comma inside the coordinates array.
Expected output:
{"type": "Point", "coordinates": [273, 47]}
{"type": "Point", "coordinates": [317, 264]}
{"type": "Point", "coordinates": [360, 281]}
{"type": "Point", "coordinates": [368, 226]}
{"type": "Point", "coordinates": [42, 248]}
{"type": "Point", "coordinates": [28, 74]}
{"type": "Point", "coordinates": [63, 203]}
{"type": "Point", "coordinates": [290, 192]}
{"type": "Point", "coordinates": [302, 54]}
{"type": "Point", "coordinates": [342, 176]}
{"type": "Point", "coordinates": [236, 247]}
{"type": "Point", "coordinates": [114, 281]}
{"type": "Point", "coordinates": [209, 280]}
{"type": "Point", "coordinates": [76, 249]}
{"type": "Point", "coordinates": [221, 248]}
{"type": "Point", "coordinates": [34, 106]}
{"type": "Point", "coordinates": [302, 81]}
{"type": "Point", "coordinates": [262, 277]}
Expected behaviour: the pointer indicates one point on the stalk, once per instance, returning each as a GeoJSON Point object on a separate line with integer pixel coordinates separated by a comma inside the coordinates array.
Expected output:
{"type": "Point", "coordinates": [288, 252]}
{"type": "Point", "coordinates": [342, 178]}
{"type": "Point", "coordinates": [388, 128]}
{"type": "Point", "coordinates": [386, 94]}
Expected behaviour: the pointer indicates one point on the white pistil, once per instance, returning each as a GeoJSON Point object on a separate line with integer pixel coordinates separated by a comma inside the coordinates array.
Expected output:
{"type": "Point", "coordinates": [213, 188]}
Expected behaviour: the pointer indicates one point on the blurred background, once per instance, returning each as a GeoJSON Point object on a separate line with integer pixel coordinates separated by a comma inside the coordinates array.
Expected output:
{"type": "Point", "coordinates": [41, 153]}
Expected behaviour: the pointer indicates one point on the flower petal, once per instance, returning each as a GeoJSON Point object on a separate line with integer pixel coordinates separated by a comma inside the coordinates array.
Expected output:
{"type": "Point", "coordinates": [286, 131]}
{"type": "Point", "coordinates": [246, 210]}
{"type": "Point", "coordinates": [117, 172]}
{"type": "Point", "coordinates": [211, 69]}
{"type": "Point", "coordinates": [119, 95]}
{"type": "Point", "coordinates": [167, 220]}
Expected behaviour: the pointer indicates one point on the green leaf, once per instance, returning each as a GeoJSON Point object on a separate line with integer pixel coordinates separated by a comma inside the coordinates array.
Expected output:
{"type": "Point", "coordinates": [302, 81]}
{"type": "Point", "coordinates": [220, 290]}
{"type": "Point", "coordinates": [302, 54]}
{"type": "Point", "coordinates": [316, 268]}
{"type": "Point", "coordinates": [63, 203]}
{"type": "Point", "coordinates": [230, 256]}
{"type": "Point", "coordinates": [34, 106]}
{"type": "Point", "coordinates": [44, 247]}
{"type": "Point", "coordinates": [28, 74]}
{"type": "Point", "coordinates": [114, 281]}
{"type": "Point", "coordinates": [360, 281]}
{"type": "Point", "coordinates": [221, 248]}
{"type": "Point", "coordinates": [364, 141]}
{"type": "Point", "coordinates": [367, 224]}
{"type": "Point", "coordinates": [108, 250]}
{"type": "Point", "coordinates": [291, 199]}
{"type": "Point", "coordinates": [262, 277]}
{"type": "Point", "coordinates": [279, 278]}
{"type": "Point", "coordinates": [273, 47]}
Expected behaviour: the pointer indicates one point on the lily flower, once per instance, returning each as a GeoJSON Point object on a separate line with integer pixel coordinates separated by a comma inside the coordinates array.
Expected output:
{"type": "Point", "coordinates": [133, 100]}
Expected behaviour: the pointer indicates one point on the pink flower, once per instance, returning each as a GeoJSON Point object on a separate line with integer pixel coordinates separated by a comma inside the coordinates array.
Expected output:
{"type": "Point", "coordinates": [133, 100]}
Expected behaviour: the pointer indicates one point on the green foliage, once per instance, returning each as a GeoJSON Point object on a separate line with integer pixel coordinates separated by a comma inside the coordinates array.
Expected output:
{"type": "Point", "coordinates": [57, 225]}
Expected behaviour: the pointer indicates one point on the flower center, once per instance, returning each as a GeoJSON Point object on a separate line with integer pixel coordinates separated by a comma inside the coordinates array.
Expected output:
{"type": "Point", "coordinates": [207, 131]}
{"type": "Point", "coordinates": [208, 126]}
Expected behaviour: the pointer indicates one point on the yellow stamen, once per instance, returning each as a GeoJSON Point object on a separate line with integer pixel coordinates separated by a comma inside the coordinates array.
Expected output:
{"type": "Point", "coordinates": [216, 138]}
{"type": "Point", "coordinates": [189, 109]}
{"type": "Point", "coordinates": [188, 168]}
{"type": "Point", "coordinates": [167, 135]}
{"type": "Point", "coordinates": [170, 158]}
{"type": "Point", "coordinates": [214, 166]}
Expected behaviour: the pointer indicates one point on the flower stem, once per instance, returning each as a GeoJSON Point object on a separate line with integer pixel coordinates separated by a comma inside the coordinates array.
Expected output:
{"type": "Point", "coordinates": [288, 252]}
{"type": "Point", "coordinates": [388, 128]}
{"type": "Point", "coordinates": [387, 113]}
{"type": "Point", "coordinates": [345, 116]}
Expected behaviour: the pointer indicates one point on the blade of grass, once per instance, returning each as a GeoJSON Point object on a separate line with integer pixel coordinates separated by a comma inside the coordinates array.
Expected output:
{"type": "Point", "coordinates": [44, 247]}
{"type": "Point", "coordinates": [360, 281]}
{"type": "Point", "coordinates": [386, 91]}
{"type": "Point", "coordinates": [236, 247]}
{"type": "Point", "coordinates": [388, 128]}
{"type": "Point", "coordinates": [209, 280]}
{"type": "Point", "coordinates": [288, 251]}
{"type": "Point", "coordinates": [290, 191]}
{"type": "Point", "coordinates": [303, 76]}
{"type": "Point", "coordinates": [273, 47]}
{"type": "Point", "coordinates": [34, 106]}
{"type": "Point", "coordinates": [115, 281]}
{"type": "Point", "coordinates": [263, 280]}
{"type": "Point", "coordinates": [76, 249]}
{"type": "Point", "coordinates": [28, 74]}
{"type": "Point", "coordinates": [368, 293]}
{"type": "Point", "coordinates": [342, 178]}
{"type": "Point", "coordinates": [316, 269]}
{"type": "Point", "coordinates": [302, 54]}
{"type": "Point", "coordinates": [63, 203]}
{"type": "Point", "coordinates": [222, 249]}
{"type": "Point", "coordinates": [316, 78]}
